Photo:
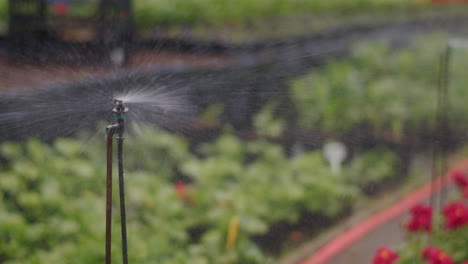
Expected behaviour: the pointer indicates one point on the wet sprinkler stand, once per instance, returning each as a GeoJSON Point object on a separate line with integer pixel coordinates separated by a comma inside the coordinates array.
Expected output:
{"type": "Point", "coordinates": [116, 129]}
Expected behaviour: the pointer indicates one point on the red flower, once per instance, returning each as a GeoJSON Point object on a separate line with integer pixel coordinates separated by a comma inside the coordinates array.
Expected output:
{"type": "Point", "coordinates": [447, 2]}
{"type": "Point", "coordinates": [180, 190]}
{"type": "Point", "coordinates": [456, 215]}
{"type": "Point", "coordinates": [384, 255]}
{"type": "Point", "coordinates": [60, 8]}
{"type": "Point", "coordinates": [433, 255]}
{"type": "Point", "coordinates": [460, 178]}
{"type": "Point", "coordinates": [465, 194]}
{"type": "Point", "coordinates": [429, 252]}
{"type": "Point", "coordinates": [421, 218]}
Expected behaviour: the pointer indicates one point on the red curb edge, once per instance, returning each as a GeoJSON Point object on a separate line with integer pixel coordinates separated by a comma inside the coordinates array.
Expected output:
{"type": "Point", "coordinates": [343, 241]}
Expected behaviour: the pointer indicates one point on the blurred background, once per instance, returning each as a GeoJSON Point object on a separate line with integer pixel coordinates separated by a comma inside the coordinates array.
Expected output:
{"type": "Point", "coordinates": [258, 129]}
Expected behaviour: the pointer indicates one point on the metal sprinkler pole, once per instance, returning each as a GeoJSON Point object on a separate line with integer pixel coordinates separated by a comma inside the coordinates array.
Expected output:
{"type": "Point", "coordinates": [444, 105]}
{"type": "Point", "coordinates": [109, 197]}
{"type": "Point", "coordinates": [122, 201]}
{"type": "Point", "coordinates": [441, 142]}
{"type": "Point", "coordinates": [119, 111]}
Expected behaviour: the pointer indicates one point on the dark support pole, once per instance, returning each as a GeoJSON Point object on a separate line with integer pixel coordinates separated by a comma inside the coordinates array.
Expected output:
{"type": "Point", "coordinates": [444, 122]}
{"type": "Point", "coordinates": [42, 13]}
{"type": "Point", "coordinates": [10, 16]}
{"type": "Point", "coordinates": [119, 112]}
{"type": "Point", "coordinates": [127, 14]}
{"type": "Point", "coordinates": [109, 199]}
{"type": "Point", "coordinates": [441, 132]}
{"type": "Point", "coordinates": [122, 198]}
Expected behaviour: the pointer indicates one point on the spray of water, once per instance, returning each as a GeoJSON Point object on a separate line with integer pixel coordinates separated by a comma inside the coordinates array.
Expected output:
{"type": "Point", "coordinates": [167, 108]}
{"type": "Point", "coordinates": [66, 109]}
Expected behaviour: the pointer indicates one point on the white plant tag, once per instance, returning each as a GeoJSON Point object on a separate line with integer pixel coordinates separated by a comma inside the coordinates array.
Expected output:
{"type": "Point", "coordinates": [335, 153]}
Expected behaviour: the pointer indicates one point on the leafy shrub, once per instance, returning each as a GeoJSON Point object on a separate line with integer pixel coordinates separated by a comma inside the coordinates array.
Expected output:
{"type": "Point", "coordinates": [269, 185]}
{"type": "Point", "coordinates": [388, 91]}
{"type": "Point", "coordinates": [384, 168]}
{"type": "Point", "coordinates": [266, 122]}
{"type": "Point", "coordinates": [215, 12]}
{"type": "Point", "coordinates": [3, 12]}
{"type": "Point", "coordinates": [52, 199]}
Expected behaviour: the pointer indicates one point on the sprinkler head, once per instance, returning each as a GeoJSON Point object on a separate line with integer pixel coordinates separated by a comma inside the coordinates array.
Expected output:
{"type": "Point", "coordinates": [120, 109]}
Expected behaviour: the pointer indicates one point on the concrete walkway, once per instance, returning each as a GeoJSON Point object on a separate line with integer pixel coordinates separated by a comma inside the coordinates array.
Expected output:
{"type": "Point", "coordinates": [391, 234]}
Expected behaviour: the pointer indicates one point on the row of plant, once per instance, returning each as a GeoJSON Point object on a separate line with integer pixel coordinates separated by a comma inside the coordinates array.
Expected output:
{"type": "Point", "coordinates": [206, 207]}
{"type": "Point", "coordinates": [243, 21]}
{"type": "Point", "coordinates": [179, 12]}
{"type": "Point", "coordinates": [196, 14]}
{"type": "Point", "coordinates": [430, 242]}
{"type": "Point", "coordinates": [390, 93]}
{"type": "Point", "coordinates": [210, 11]}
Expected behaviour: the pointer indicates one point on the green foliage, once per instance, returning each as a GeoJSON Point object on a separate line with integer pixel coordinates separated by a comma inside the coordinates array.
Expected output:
{"type": "Point", "coordinates": [83, 9]}
{"type": "Point", "coordinates": [212, 114]}
{"type": "Point", "coordinates": [384, 167]}
{"type": "Point", "coordinates": [208, 18]}
{"type": "Point", "coordinates": [3, 12]}
{"type": "Point", "coordinates": [150, 13]}
{"type": "Point", "coordinates": [161, 152]}
{"type": "Point", "coordinates": [269, 188]}
{"type": "Point", "coordinates": [52, 199]}
{"type": "Point", "coordinates": [385, 90]}
{"type": "Point", "coordinates": [267, 124]}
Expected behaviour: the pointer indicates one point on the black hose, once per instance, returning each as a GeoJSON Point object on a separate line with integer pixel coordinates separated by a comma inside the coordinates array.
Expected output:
{"type": "Point", "coordinates": [122, 197]}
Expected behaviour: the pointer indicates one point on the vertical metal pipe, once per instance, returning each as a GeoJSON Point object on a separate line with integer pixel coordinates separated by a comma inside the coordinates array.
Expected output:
{"type": "Point", "coordinates": [436, 136]}
{"type": "Point", "coordinates": [122, 197]}
{"type": "Point", "coordinates": [42, 13]}
{"type": "Point", "coordinates": [444, 121]}
{"type": "Point", "coordinates": [441, 132]}
{"type": "Point", "coordinates": [109, 199]}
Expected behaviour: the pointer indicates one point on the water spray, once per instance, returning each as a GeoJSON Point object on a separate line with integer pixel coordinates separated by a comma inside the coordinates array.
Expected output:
{"type": "Point", "coordinates": [120, 110]}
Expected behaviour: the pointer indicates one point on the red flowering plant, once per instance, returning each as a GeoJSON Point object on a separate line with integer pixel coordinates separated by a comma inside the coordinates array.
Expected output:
{"type": "Point", "coordinates": [448, 241]}
{"type": "Point", "coordinates": [456, 215]}
{"type": "Point", "coordinates": [421, 218]}
{"type": "Point", "coordinates": [385, 255]}
{"type": "Point", "coordinates": [434, 255]}
{"type": "Point", "coordinates": [60, 8]}
{"type": "Point", "coordinates": [465, 194]}
{"type": "Point", "coordinates": [461, 179]}
{"type": "Point", "coordinates": [180, 190]}
{"type": "Point", "coordinates": [185, 192]}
